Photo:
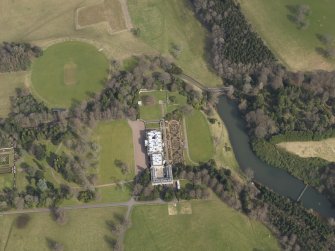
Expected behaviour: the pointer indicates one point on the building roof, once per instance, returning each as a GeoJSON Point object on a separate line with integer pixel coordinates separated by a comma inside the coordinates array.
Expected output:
{"type": "Point", "coordinates": [156, 159]}
{"type": "Point", "coordinates": [161, 173]}
{"type": "Point", "coordinates": [154, 142]}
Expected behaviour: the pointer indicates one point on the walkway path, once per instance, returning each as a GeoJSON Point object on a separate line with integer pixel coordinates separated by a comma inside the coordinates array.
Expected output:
{"type": "Point", "coordinates": [126, 15]}
{"type": "Point", "coordinates": [188, 79]}
{"type": "Point", "coordinates": [138, 130]}
{"type": "Point", "coordinates": [128, 204]}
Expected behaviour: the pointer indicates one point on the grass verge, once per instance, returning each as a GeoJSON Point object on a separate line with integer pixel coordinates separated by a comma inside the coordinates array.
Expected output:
{"type": "Point", "coordinates": [223, 151]}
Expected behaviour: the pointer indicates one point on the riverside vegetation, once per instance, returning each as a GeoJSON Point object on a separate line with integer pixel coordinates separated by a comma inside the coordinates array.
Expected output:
{"type": "Point", "coordinates": [273, 100]}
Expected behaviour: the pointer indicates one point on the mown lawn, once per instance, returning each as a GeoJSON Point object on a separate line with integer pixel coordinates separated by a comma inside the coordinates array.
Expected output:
{"type": "Point", "coordinates": [116, 142]}
{"type": "Point", "coordinates": [200, 143]}
{"type": "Point", "coordinates": [157, 111]}
{"type": "Point", "coordinates": [296, 48]}
{"type": "Point", "coordinates": [211, 226]}
{"type": "Point", "coordinates": [88, 73]}
{"type": "Point", "coordinates": [86, 230]}
{"type": "Point", "coordinates": [164, 23]}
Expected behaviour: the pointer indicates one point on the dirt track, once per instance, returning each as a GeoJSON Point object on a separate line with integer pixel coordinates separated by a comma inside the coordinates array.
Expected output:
{"type": "Point", "coordinates": [138, 130]}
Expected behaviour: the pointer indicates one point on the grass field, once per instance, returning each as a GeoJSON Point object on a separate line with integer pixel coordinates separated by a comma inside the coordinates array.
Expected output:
{"type": "Point", "coordinates": [164, 23]}
{"type": "Point", "coordinates": [295, 48]}
{"type": "Point", "coordinates": [85, 230]}
{"type": "Point", "coordinates": [211, 226]}
{"type": "Point", "coordinates": [68, 71]}
{"type": "Point", "coordinates": [324, 149]}
{"type": "Point", "coordinates": [8, 83]}
{"type": "Point", "coordinates": [223, 151]}
{"type": "Point", "coordinates": [53, 22]}
{"type": "Point", "coordinates": [108, 11]}
{"type": "Point", "coordinates": [115, 139]}
{"type": "Point", "coordinates": [199, 138]}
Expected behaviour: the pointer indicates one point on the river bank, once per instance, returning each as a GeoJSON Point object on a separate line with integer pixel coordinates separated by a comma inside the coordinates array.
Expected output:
{"type": "Point", "coordinates": [276, 179]}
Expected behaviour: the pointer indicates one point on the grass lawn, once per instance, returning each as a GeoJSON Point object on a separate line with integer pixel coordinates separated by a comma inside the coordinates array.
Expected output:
{"type": "Point", "coordinates": [116, 142]}
{"type": "Point", "coordinates": [211, 226]}
{"type": "Point", "coordinates": [199, 138]}
{"type": "Point", "coordinates": [115, 193]}
{"type": "Point", "coordinates": [164, 23]}
{"type": "Point", "coordinates": [58, 84]}
{"type": "Point", "coordinates": [85, 230]}
{"type": "Point", "coordinates": [296, 48]}
{"type": "Point", "coordinates": [324, 149]}
{"type": "Point", "coordinates": [8, 83]}
{"type": "Point", "coordinates": [157, 111]}
{"type": "Point", "coordinates": [46, 23]}
{"type": "Point", "coordinates": [151, 112]}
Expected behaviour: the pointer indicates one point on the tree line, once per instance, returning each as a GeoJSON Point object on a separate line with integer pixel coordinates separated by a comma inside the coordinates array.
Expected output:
{"type": "Point", "coordinates": [17, 56]}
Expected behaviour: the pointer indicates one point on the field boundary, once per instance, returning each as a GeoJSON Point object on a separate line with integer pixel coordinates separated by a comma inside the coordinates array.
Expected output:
{"type": "Point", "coordinates": [105, 23]}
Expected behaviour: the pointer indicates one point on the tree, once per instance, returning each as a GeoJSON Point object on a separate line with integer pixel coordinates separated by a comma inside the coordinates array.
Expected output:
{"type": "Point", "coordinates": [175, 50]}
{"type": "Point", "coordinates": [39, 151]}
{"type": "Point", "coordinates": [54, 245]}
{"type": "Point", "coordinates": [86, 195]}
{"type": "Point", "coordinates": [42, 185]}
{"type": "Point", "coordinates": [59, 215]}
{"type": "Point", "coordinates": [136, 31]}
{"type": "Point", "coordinates": [122, 165]}
{"type": "Point", "coordinates": [19, 203]}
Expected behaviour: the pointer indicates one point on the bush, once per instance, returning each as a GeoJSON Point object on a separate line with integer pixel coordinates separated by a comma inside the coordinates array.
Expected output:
{"type": "Point", "coordinates": [86, 195]}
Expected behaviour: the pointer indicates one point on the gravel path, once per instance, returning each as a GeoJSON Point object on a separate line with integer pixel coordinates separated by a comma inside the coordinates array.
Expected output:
{"type": "Point", "coordinates": [128, 204]}
{"type": "Point", "coordinates": [126, 15]}
{"type": "Point", "coordinates": [138, 130]}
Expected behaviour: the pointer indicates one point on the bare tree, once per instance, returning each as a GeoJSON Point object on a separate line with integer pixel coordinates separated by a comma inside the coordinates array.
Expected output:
{"type": "Point", "coordinates": [249, 173]}
{"type": "Point", "coordinates": [59, 216]}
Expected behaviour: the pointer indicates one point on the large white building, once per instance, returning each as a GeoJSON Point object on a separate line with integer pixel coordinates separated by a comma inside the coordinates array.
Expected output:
{"type": "Point", "coordinates": [161, 171]}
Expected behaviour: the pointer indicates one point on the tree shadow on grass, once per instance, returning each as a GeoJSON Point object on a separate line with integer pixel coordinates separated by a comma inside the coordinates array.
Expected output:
{"type": "Point", "coordinates": [110, 241]}
{"type": "Point", "coordinates": [321, 51]}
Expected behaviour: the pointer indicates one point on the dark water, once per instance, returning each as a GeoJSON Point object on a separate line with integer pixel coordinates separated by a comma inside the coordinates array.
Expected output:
{"type": "Point", "coordinates": [276, 179]}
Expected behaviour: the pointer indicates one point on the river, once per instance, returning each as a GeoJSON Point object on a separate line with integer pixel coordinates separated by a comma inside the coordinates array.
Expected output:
{"type": "Point", "coordinates": [276, 179]}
